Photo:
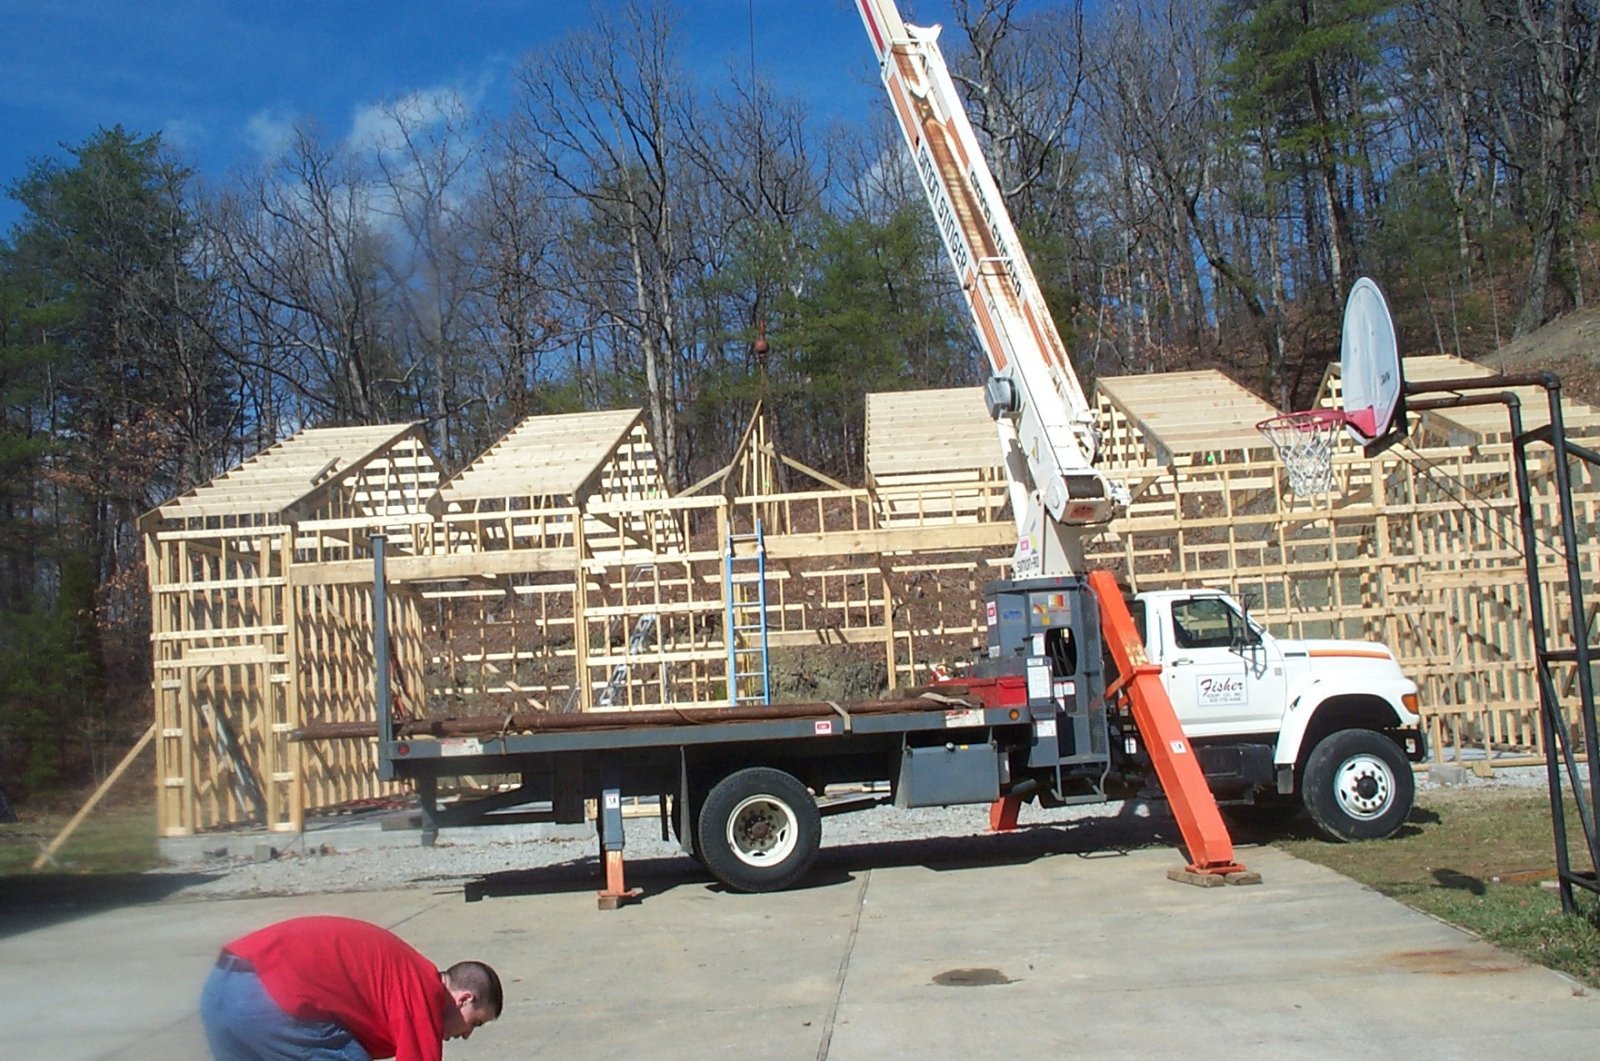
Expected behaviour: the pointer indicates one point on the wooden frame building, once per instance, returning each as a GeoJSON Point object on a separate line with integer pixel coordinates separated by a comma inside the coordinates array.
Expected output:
{"type": "Point", "coordinates": [555, 573]}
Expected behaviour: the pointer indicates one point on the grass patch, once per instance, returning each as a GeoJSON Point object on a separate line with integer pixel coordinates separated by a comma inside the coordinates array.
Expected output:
{"type": "Point", "coordinates": [117, 839]}
{"type": "Point", "coordinates": [1480, 859]}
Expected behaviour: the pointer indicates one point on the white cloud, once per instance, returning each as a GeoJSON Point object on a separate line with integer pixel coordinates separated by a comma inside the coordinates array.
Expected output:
{"type": "Point", "coordinates": [183, 135]}
{"type": "Point", "coordinates": [377, 126]}
{"type": "Point", "coordinates": [269, 132]}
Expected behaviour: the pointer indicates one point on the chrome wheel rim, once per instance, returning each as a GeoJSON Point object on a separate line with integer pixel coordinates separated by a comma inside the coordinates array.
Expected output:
{"type": "Point", "coordinates": [762, 831]}
{"type": "Point", "coordinates": [1364, 786]}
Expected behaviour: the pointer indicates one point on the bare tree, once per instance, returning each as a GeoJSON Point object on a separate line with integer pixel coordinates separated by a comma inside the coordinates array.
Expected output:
{"type": "Point", "coordinates": [515, 231]}
{"type": "Point", "coordinates": [1560, 40]}
{"type": "Point", "coordinates": [597, 113]}
{"type": "Point", "coordinates": [1200, 197]}
{"type": "Point", "coordinates": [304, 270]}
{"type": "Point", "coordinates": [422, 147]}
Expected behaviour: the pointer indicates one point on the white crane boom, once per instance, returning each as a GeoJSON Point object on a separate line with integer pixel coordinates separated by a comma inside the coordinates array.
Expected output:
{"type": "Point", "coordinates": [1046, 425]}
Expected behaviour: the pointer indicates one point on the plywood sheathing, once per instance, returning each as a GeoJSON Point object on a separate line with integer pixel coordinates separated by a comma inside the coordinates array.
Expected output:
{"type": "Point", "coordinates": [933, 457]}
{"type": "Point", "coordinates": [295, 473]}
{"type": "Point", "coordinates": [1182, 414]}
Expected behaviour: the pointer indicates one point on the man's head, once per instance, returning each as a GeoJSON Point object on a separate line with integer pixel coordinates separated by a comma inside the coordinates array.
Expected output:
{"type": "Point", "coordinates": [475, 990]}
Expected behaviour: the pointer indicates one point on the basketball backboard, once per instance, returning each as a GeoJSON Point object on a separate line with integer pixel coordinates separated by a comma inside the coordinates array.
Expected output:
{"type": "Point", "coordinates": [1369, 367]}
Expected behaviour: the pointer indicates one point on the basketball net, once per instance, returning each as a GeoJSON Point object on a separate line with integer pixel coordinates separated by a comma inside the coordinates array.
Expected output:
{"type": "Point", "coordinates": [1305, 442]}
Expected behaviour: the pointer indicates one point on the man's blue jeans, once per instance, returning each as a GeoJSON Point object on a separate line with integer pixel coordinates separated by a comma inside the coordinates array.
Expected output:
{"type": "Point", "coordinates": [244, 1024]}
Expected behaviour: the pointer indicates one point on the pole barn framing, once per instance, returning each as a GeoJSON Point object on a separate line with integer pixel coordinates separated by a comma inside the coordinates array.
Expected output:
{"type": "Point", "coordinates": [521, 584]}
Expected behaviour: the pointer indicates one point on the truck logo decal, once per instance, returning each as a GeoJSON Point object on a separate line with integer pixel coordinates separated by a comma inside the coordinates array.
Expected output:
{"type": "Point", "coordinates": [991, 613]}
{"type": "Point", "coordinates": [1216, 690]}
{"type": "Point", "coordinates": [822, 728]}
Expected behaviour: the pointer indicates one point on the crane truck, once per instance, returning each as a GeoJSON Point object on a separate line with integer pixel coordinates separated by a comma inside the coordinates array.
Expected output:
{"type": "Point", "coordinates": [1078, 695]}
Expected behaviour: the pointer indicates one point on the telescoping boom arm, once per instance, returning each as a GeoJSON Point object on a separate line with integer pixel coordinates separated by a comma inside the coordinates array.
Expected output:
{"type": "Point", "coordinates": [1046, 425]}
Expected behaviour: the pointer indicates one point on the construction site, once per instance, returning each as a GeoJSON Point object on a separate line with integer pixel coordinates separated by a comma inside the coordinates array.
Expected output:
{"type": "Point", "coordinates": [1129, 607]}
{"type": "Point", "coordinates": [1034, 593]}
{"type": "Point", "coordinates": [555, 575]}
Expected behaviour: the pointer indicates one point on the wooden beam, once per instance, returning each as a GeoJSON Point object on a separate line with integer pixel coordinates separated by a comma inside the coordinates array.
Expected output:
{"type": "Point", "coordinates": [47, 855]}
{"type": "Point", "coordinates": [439, 568]}
{"type": "Point", "coordinates": [941, 538]}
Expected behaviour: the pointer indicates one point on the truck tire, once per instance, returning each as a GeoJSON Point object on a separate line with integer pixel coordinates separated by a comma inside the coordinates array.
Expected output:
{"type": "Point", "coordinates": [759, 830]}
{"type": "Point", "coordinates": [1358, 785]}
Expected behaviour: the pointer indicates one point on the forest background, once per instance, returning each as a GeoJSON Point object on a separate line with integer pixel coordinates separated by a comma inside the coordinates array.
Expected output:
{"type": "Point", "coordinates": [1197, 184]}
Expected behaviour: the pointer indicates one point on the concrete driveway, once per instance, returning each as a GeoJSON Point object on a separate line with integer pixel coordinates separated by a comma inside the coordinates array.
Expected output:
{"type": "Point", "coordinates": [889, 951]}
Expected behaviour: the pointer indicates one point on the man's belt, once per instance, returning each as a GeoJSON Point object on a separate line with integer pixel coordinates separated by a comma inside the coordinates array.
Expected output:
{"type": "Point", "coordinates": [232, 963]}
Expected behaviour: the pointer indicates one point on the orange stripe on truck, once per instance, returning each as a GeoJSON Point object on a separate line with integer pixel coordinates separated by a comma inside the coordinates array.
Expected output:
{"type": "Point", "coordinates": [1364, 653]}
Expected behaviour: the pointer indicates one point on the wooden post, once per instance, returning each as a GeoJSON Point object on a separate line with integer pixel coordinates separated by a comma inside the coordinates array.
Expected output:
{"type": "Point", "coordinates": [83, 811]}
{"type": "Point", "coordinates": [580, 618]}
{"type": "Point", "coordinates": [293, 713]}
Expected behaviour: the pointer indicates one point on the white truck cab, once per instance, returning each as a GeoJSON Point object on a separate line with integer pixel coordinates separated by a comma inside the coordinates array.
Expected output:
{"type": "Point", "coordinates": [1330, 725]}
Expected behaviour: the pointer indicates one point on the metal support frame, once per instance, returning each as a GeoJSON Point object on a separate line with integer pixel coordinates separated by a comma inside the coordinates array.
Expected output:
{"type": "Point", "coordinates": [1560, 756]}
{"type": "Point", "coordinates": [608, 824]}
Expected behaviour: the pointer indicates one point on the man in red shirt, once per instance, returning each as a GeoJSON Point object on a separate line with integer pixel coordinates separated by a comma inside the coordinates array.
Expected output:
{"type": "Point", "coordinates": [334, 987]}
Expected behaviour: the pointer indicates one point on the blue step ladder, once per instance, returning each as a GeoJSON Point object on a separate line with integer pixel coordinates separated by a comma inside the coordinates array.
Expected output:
{"type": "Point", "coordinates": [744, 584]}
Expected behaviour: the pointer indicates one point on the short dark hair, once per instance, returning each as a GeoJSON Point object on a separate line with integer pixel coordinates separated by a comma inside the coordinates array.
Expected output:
{"type": "Point", "coordinates": [481, 980]}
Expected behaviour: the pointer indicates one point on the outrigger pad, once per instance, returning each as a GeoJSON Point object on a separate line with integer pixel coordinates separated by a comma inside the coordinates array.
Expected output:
{"type": "Point", "coordinates": [1189, 875]}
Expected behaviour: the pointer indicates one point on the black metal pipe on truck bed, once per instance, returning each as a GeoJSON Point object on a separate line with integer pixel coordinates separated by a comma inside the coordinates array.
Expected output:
{"type": "Point", "coordinates": [545, 722]}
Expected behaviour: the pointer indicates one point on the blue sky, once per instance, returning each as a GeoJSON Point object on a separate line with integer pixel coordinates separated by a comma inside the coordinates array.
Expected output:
{"type": "Point", "coordinates": [218, 77]}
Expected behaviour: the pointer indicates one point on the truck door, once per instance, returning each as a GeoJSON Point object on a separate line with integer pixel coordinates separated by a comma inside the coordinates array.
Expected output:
{"type": "Point", "coordinates": [1223, 674]}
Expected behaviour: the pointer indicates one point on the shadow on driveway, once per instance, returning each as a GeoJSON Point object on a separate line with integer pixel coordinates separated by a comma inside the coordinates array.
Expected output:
{"type": "Point", "coordinates": [31, 901]}
{"type": "Point", "coordinates": [838, 864]}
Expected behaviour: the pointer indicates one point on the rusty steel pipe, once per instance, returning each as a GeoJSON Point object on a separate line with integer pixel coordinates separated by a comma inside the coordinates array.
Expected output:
{"type": "Point", "coordinates": [546, 722]}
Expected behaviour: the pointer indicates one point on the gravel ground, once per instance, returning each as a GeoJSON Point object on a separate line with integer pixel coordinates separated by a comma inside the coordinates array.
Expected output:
{"type": "Point", "coordinates": [481, 859]}
{"type": "Point", "coordinates": [477, 858]}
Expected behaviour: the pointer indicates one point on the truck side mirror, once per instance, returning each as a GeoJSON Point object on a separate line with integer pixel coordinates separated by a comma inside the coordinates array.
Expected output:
{"type": "Point", "coordinates": [1246, 635]}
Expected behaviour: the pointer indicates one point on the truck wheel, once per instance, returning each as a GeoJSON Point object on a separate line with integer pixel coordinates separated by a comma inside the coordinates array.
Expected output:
{"type": "Point", "coordinates": [759, 830]}
{"type": "Point", "coordinates": [1358, 785]}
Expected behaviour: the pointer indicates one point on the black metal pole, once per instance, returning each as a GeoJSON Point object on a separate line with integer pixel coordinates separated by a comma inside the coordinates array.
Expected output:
{"type": "Point", "coordinates": [1550, 723]}
{"type": "Point", "coordinates": [1557, 742]}
{"type": "Point", "coordinates": [1588, 806]}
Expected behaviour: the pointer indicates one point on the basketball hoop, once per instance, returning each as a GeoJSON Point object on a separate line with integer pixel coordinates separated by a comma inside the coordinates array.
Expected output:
{"type": "Point", "coordinates": [1305, 442]}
